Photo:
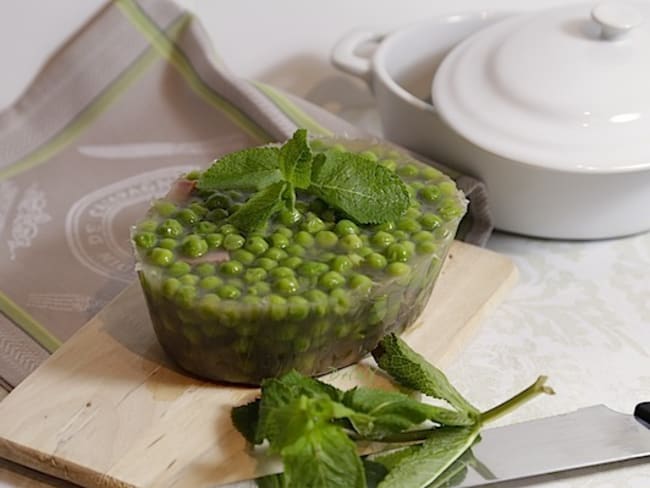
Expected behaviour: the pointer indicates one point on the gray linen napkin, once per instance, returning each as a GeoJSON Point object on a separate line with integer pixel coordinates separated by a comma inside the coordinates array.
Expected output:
{"type": "Point", "coordinates": [133, 100]}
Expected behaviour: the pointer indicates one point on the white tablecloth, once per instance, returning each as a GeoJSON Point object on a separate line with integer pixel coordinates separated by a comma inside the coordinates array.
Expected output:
{"type": "Point", "coordinates": [580, 312]}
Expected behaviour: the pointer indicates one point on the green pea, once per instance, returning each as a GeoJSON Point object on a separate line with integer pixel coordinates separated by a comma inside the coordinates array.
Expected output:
{"type": "Point", "coordinates": [178, 269]}
{"type": "Point", "coordinates": [351, 242]}
{"type": "Point", "coordinates": [413, 212]}
{"type": "Point", "coordinates": [376, 261]}
{"type": "Point", "coordinates": [210, 283]}
{"type": "Point", "coordinates": [286, 286]}
{"type": "Point", "coordinates": [218, 200]}
{"type": "Point", "coordinates": [289, 217]}
{"type": "Point", "coordinates": [145, 240]}
{"type": "Point", "coordinates": [170, 228]}
{"type": "Point", "coordinates": [409, 246]}
{"type": "Point", "coordinates": [370, 155]}
{"type": "Point", "coordinates": [277, 307]}
{"type": "Point", "coordinates": [229, 292]}
{"type": "Point", "coordinates": [161, 257]}
{"type": "Point", "coordinates": [409, 225]}
{"type": "Point", "coordinates": [331, 280]}
{"type": "Point", "coordinates": [382, 239]}
{"type": "Point", "coordinates": [231, 268]}
{"type": "Point", "coordinates": [398, 269]}
{"type": "Point", "coordinates": [168, 243]}
{"type": "Point", "coordinates": [226, 229]}
{"type": "Point", "coordinates": [450, 210]}
{"type": "Point", "coordinates": [291, 262]}
{"type": "Point", "coordinates": [235, 195]}
{"type": "Point", "coordinates": [205, 269]}
{"type": "Point", "coordinates": [431, 173]}
{"type": "Point", "coordinates": [235, 207]}
{"type": "Point", "coordinates": [319, 302]}
{"type": "Point", "coordinates": [233, 241]}
{"type": "Point", "coordinates": [217, 215]}
{"type": "Point", "coordinates": [298, 308]}
{"type": "Point", "coordinates": [295, 250]}
{"type": "Point", "coordinates": [205, 227]}
{"type": "Point", "coordinates": [275, 253]}
{"type": "Point", "coordinates": [266, 263]}
{"type": "Point", "coordinates": [422, 236]}
{"type": "Point", "coordinates": [389, 164]}
{"type": "Point", "coordinates": [430, 193]}
{"type": "Point", "coordinates": [257, 245]}
{"type": "Point", "coordinates": [312, 269]}
{"type": "Point", "coordinates": [360, 283]}
{"type": "Point", "coordinates": [326, 256]}
{"type": "Point", "coordinates": [198, 209]}
{"type": "Point", "coordinates": [430, 221]}
{"type": "Point", "coordinates": [356, 259]}
{"type": "Point", "coordinates": [341, 264]}
{"type": "Point", "coordinates": [189, 279]}
{"type": "Point", "coordinates": [261, 288]}
{"type": "Point", "coordinates": [281, 272]}
{"type": "Point", "coordinates": [214, 240]}
{"type": "Point", "coordinates": [279, 240]}
{"type": "Point", "coordinates": [254, 306]}
{"type": "Point", "coordinates": [448, 188]}
{"type": "Point", "coordinates": [344, 227]}
{"type": "Point", "coordinates": [285, 231]}
{"type": "Point", "coordinates": [243, 256]}
{"type": "Point", "coordinates": [148, 225]}
{"type": "Point", "coordinates": [340, 302]}
{"type": "Point", "coordinates": [195, 174]}
{"type": "Point", "coordinates": [194, 246]}
{"type": "Point", "coordinates": [397, 253]}
{"type": "Point", "coordinates": [165, 208]}
{"type": "Point", "coordinates": [253, 275]}
{"type": "Point", "coordinates": [170, 286]}
{"type": "Point", "coordinates": [400, 235]}
{"type": "Point", "coordinates": [313, 224]}
{"type": "Point", "coordinates": [209, 306]}
{"type": "Point", "coordinates": [326, 239]}
{"type": "Point", "coordinates": [385, 226]}
{"type": "Point", "coordinates": [185, 296]}
{"type": "Point", "coordinates": [426, 247]}
{"type": "Point", "coordinates": [304, 239]}
{"type": "Point", "coordinates": [408, 170]}
{"type": "Point", "coordinates": [187, 216]}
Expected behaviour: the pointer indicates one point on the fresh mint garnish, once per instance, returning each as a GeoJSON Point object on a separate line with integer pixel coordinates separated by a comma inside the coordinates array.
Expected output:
{"type": "Point", "coordinates": [361, 188]}
{"type": "Point", "coordinates": [250, 169]}
{"type": "Point", "coordinates": [314, 426]}
{"type": "Point", "coordinates": [356, 186]}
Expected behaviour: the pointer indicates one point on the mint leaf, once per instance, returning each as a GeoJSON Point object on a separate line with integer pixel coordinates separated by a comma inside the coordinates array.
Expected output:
{"type": "Point", "coordinates": [425, 464]}
{"type": "Point", "coordinates": [250, 169]}
{"type": "Point", "coordinates": [322, 458]}
{"type": "Point", "coordinates": [295, 160]}
{"type": "Point", "coordinates": [245, 419]}
{"type": "Point", "coordinates": [259, 208]}
{"type": "Point", "coordinates": [271, 481]}
{"type": "Point", "coordinates": [362, 189]}
{"type": "Point", "coordinates": [410, 369]}
{"type": "Point", "coordinates": [390, 412]}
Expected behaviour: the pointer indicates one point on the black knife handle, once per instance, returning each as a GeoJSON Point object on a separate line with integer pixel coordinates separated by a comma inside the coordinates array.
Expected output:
{"type": "Point", "coordinates": [642, 412]}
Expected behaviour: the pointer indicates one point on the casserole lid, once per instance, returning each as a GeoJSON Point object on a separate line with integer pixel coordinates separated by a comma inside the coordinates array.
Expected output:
{"type": "Point", "coordinates": [567, 88]}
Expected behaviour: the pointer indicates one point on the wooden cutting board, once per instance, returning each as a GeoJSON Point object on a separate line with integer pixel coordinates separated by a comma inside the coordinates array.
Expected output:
{"type": "Point", "coordinates": [108, 408]}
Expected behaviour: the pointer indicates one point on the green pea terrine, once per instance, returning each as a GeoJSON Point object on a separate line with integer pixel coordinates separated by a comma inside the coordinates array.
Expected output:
{"type": "Point", "coordinates": [310, 289]}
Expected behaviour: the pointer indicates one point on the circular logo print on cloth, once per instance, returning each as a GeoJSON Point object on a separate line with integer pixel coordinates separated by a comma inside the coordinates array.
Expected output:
{"type": "Point", "coordinates": [97, 226]}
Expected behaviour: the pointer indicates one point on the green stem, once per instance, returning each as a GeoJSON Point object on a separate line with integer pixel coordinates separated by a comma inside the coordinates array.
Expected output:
{"type": "Point", "coordinates": [519, 399]}
{"type": "Point", "coordinates": [401, 437]}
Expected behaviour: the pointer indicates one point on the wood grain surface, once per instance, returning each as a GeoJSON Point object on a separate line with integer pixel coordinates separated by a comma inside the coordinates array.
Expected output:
{"type": "Point", "coordinates": [109, 409]}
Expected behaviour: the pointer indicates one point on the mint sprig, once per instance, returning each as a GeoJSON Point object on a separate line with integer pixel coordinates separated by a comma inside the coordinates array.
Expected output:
{"type": "Point", "coordinates": [356, 186]}
{"type": "Point", "coordinates": [313, 426]}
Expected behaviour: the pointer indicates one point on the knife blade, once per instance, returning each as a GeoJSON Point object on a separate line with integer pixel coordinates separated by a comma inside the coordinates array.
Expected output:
{"type": "Point", "coordinates": [587, 437]}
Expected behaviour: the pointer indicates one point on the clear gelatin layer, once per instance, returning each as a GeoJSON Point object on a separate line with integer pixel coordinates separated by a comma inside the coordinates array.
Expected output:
{"type": "Point", "coordinates": [311, 290]}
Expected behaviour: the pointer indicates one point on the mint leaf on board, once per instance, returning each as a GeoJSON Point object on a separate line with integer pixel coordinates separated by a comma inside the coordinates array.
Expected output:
{"type": "Point", "coordinates": [259, 208]}
{"type": "Point", "coordinates": [295, 160]}
{"type": "Point", "coordinates": [425, 464]}
{"type": "Point", "coordinates": [359, 187]}
{"type": "Point", "coordinates": [410, 369]}
{"type": "Point", "coordinates": [249, 169]}
{"type": "Point", "coordinates": [245, 419]}
{"type": "Point", "coordinates": [323, 458]}
{"type": "Point", "coordinates": [388, 412]}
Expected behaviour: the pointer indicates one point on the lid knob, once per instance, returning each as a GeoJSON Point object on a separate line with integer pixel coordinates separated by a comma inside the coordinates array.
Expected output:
{"type": "Point", "coordinates": [616, 19]}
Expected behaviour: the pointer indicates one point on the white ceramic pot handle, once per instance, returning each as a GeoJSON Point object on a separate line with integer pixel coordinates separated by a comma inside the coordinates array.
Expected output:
{"type": "Point", "coordinates": [616, 19]}
{"type": "Point", "coordinates": [344, 55]}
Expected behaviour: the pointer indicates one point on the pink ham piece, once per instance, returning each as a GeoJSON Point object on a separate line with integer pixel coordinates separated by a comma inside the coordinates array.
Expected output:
{"type": "Point", "coordinates": [181, 190]}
